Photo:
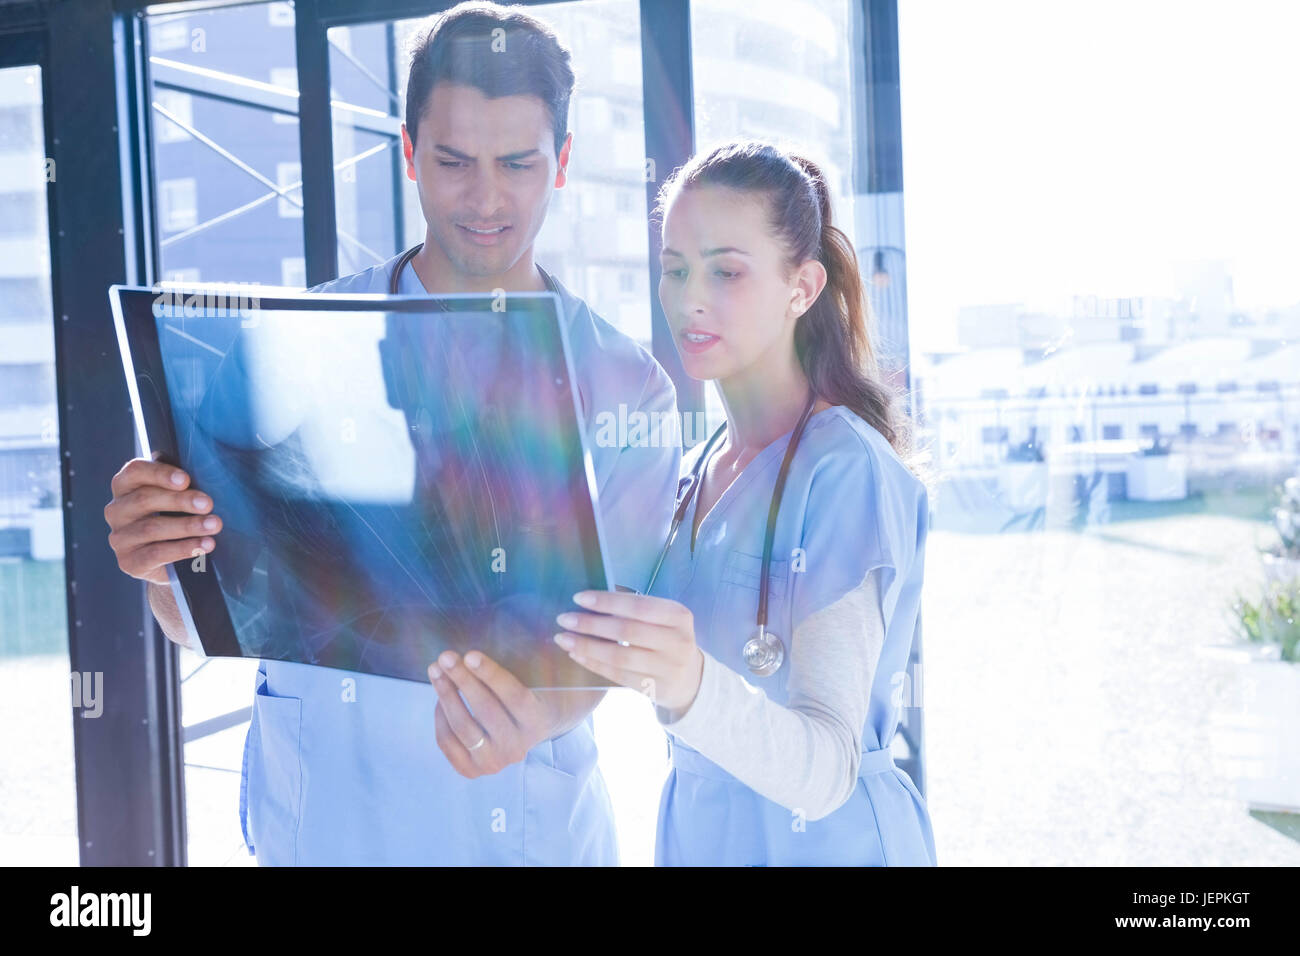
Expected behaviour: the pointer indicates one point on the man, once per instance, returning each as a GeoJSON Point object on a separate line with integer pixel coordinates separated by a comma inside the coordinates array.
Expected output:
{"type": "Point", "coordinates": [345, 768]}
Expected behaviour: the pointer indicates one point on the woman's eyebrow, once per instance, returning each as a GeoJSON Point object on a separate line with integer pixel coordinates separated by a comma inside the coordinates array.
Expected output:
{"type": "Point", "coordinates": [720, 250]}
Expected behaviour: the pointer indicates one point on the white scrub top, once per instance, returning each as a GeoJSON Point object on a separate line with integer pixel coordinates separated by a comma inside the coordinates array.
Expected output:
{"type": "Point", "coordinates": [343, 768]}
{"type": "Point", "coordinates": [850, 505]}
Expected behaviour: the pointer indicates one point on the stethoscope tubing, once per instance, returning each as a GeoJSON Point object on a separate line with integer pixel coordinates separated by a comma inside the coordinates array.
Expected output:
{"type": "Point", "coordinates": [394, 281]}
{"type": "Point", "coordinates": [773, 510]}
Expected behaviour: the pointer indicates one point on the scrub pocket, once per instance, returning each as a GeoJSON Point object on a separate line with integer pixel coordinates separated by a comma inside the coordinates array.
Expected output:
{"type": "Point", "coordinates": [746, 570]}
{"type": "Point", "coordinates": [735, 607]}
{"type": "Point", "coordinates": [568, 819]}
{"type": "Point", "coordinates": [273, 778]}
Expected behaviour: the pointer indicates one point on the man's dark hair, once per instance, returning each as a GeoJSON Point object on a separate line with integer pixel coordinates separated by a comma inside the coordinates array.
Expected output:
{"type": "Point", "coordinates": [464, 47]}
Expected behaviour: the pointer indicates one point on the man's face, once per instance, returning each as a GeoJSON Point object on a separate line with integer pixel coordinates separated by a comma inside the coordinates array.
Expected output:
{"type": "Point", "coordinates": [485, 170]}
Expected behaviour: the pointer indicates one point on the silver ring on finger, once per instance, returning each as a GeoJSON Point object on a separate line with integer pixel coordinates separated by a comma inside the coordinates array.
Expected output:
{"type": "Point", "coordinates": [481, 742]}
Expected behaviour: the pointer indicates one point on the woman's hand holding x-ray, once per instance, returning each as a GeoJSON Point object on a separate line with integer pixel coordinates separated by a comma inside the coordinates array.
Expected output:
{"type": "Point", "coordinates": [646, 643]}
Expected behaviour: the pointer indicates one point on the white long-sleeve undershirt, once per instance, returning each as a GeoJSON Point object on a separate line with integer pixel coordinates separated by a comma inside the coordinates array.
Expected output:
{"type": "Point", "coordinates": [804, 755]}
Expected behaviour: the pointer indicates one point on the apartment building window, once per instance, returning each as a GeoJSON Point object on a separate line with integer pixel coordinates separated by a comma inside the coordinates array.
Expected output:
{"type": "Point", "coordinates": [288, 175]}
{"type": "Point", "coordinates": [178, 201]}
{"type": "Point", "coordinates": [181, 106]}
{"type": "Point", "coordinates": [293, 272]}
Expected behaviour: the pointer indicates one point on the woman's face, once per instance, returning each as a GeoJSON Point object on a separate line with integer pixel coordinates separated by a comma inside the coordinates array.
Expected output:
{"type": "Point", "coordinates": [724, 289]}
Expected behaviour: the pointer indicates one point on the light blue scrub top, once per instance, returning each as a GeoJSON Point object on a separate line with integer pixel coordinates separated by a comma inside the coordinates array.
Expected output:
{"type": "Point", "coordinates": [329, 781]}
{"type": "Point", "coordinates": [851, 505]}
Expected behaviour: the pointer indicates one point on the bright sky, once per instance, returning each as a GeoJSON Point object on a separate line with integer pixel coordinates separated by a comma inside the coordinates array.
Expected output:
{"type": "Point", "coordinates": [1061, 147]}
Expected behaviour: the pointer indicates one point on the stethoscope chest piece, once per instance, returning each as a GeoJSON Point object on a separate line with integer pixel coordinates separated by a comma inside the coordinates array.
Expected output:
{"type": "Point", "coordinates": [764, 653]}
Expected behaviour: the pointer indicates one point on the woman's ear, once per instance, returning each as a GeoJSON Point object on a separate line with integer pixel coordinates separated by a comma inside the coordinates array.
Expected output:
{"type": "Point", "coordinates": [809, 281]}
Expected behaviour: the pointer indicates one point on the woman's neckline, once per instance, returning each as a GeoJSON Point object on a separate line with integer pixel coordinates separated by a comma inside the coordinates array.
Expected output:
{"type": "Point", "coordinates": [779, 443]}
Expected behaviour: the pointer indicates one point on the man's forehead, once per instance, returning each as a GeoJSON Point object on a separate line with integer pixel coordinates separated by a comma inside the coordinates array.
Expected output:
{"type": "Point", "coordinates": [469, 121]}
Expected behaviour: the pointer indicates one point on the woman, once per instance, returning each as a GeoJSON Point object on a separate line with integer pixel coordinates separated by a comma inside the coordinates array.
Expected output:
{"type": "Point", "coordinates": [780, 746]}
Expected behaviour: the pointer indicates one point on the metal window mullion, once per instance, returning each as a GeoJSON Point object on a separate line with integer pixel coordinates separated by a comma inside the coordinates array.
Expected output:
{"type": "Point", "coordinates": [669, 113]}
{"type": "Point", "coordinates": [315, 144]}
{"type": "Point", "coordinates": [879, 169]}
{"type": "Point", "coordinates": [398, 157]}
{"type": "Point", "coordinates": [336, 13]}
{"type": "Point", "coordinates": [128, 760]}
{"type": "Point", "coordinates": [162, 659]}
{"type": "Point", "coordinates": [212, 89]}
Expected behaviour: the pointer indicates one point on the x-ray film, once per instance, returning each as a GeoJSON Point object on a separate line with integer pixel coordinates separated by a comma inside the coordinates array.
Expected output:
{"type": "Point", "coordinates": [395, 475]}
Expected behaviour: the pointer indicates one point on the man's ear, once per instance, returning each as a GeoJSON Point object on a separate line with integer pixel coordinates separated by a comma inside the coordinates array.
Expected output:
{"type": "Point", "coordinates": [562, 168]}
{"type": "Point", "coordinates": [408, 150]}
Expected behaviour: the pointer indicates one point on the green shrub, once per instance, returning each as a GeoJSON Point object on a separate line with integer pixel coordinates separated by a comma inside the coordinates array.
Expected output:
{"type": "Point", "coordinates": [1274, 619]}
{"type": "Point", "coordinates": [1286, 519]}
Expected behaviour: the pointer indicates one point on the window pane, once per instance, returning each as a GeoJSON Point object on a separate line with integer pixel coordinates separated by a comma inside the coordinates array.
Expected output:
{"type": "Point", "coordinates": [38, 803]}
{"type": "Point", "coordinates": [784, 71]}
{"type": "Point", "coordinates": [228, 181]}
{"type": "Point", "coordinates": [594, 238]}
{"type": "Point", "coordinates": [376, 217]}
{"type": "Point", "coordinates": [1100, 219]}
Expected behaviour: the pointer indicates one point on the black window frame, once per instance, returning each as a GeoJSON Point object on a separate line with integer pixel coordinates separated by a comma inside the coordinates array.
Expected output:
{"type": "Point", "coordinates": [95, 75]}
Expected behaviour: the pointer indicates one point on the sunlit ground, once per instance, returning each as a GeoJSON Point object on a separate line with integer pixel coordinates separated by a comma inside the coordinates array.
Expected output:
{"type": "Point", "coordinates": [1068, 700]}
{"type": "Point", "coordinates": [1069, 707]}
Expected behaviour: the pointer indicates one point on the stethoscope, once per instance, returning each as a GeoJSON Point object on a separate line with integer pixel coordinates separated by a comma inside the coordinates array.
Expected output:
{"type": "Point", "coordinates": [764, 652]}
{"type": "Point", "coordinates": [405, 258]}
